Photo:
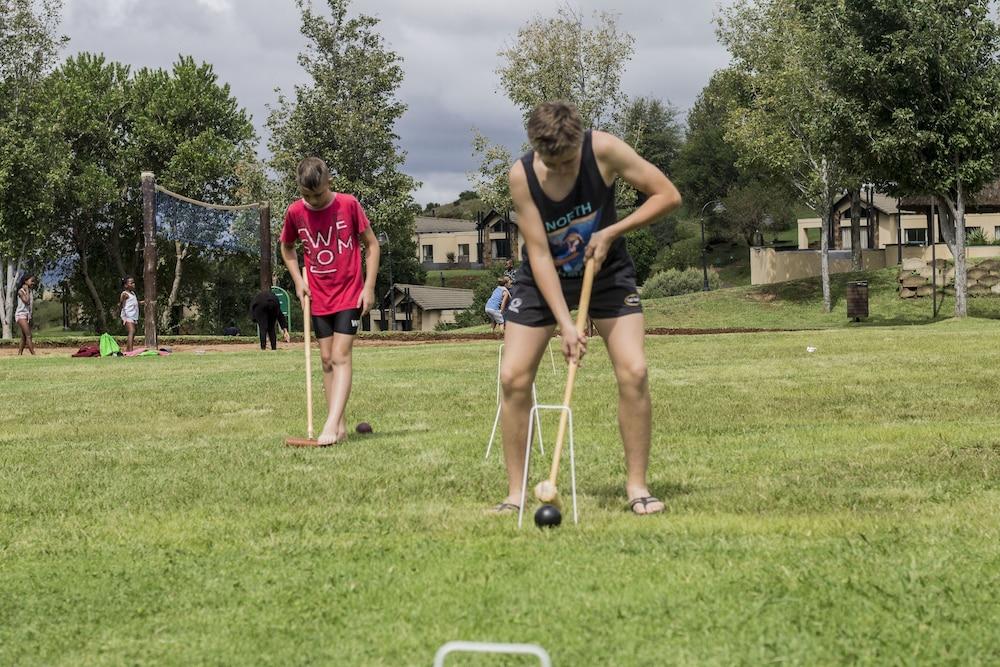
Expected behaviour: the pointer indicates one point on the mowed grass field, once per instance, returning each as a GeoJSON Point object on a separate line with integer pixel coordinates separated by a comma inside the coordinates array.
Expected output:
{"type": "Point", "coordinates": [830, 507]}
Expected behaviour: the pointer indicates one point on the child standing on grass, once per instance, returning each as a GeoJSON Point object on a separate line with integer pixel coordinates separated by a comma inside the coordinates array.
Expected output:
{"type": "Point", "coordinates": [331, 226]}
{"type": "Point", "coordinates": [497, 303]}
{"type": "Point", "coordinates": [128, 305]}
{"type": "Point", "coordinates": [24, 310]}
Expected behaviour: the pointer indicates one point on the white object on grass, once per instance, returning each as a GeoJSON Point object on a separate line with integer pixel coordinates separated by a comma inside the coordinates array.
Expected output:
{"type": "Point", "coordinates": [489, 647]}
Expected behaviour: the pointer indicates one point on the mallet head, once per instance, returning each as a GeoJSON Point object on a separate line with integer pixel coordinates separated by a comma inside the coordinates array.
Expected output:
{"type": "Point", "coordinates": [546, 491]}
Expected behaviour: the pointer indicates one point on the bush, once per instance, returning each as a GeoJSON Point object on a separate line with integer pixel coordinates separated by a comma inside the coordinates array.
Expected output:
{"type": "Point", "coordinates": [977, 237]}
{"type": "Point", "coordinates": [681, 255]}
{"type": "Point", "coordinates": [673, 282]}
{"type": "Point", "coordinates": [642, 247]}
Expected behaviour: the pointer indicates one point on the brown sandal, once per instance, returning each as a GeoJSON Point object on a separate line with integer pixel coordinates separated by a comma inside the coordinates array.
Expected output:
{"type": "Point", "coordinates": [504, 508]}
{"type": "Point", "coordinates": [644, 501]}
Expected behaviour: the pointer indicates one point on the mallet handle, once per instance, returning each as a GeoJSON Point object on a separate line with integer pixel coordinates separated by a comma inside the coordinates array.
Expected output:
{"type": "Point", "coordinates": [581, 323]}
{"type": "Point", "coordinates": [307, 331]}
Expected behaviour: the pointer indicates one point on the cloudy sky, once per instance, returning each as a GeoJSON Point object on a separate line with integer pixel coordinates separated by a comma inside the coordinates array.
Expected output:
{"type": "Point", "coordinates": [448, 47]}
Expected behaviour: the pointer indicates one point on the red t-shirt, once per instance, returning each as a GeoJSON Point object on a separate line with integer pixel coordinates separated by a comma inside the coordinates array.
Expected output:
{"type": "Point", "coordinates": [331, 245]}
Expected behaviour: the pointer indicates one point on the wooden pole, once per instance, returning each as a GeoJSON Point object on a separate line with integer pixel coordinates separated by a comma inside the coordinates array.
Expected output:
{"type": "Point", "coordinates": [933, 241]}
{"type": "Point", "coordinates": [265, 247]}
{"type": "Point", "coordinates": [149, 256]}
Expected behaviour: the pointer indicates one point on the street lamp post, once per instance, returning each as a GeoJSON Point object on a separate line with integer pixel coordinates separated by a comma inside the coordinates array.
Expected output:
{"type": "Point", "coordinates": [384, 238]}
{"type": "Point", "coordinates": [704, 260]}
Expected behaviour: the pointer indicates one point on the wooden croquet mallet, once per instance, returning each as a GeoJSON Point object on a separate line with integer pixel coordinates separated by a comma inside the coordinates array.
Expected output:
{"type": "Point", "coordinates": [307, 332]}
{"type": "Point", "coordinates": [546, 490]}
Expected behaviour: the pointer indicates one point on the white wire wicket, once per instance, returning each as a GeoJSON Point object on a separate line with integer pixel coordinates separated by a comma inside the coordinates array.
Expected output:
{"type": "Point", "coordinates": [488, 647]}
{"type": "Point", "coordinates": [496, 419]}
{"type": "Point", "coordinates": [527, 458]}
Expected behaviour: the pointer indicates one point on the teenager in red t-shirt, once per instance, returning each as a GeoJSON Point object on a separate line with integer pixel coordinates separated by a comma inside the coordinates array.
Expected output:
{"type": "Point", "coordinates": [331, 227]}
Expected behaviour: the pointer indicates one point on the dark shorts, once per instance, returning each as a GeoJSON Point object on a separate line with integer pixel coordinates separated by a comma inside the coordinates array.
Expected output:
{"type": "Point", "coordinates": [342, 322]}
{"type": "Point", "coordinates": [613, 296]}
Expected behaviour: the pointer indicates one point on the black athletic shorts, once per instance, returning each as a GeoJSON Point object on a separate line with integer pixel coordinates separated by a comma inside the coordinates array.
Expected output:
{"type": "Point", "coordinates": [342, 322]}
{"type": "Point", "coordinates": [613, 296]}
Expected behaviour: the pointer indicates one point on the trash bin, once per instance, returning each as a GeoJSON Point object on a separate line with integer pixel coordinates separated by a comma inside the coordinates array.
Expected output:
{"type": "Point", "coordinates": [857, 300]}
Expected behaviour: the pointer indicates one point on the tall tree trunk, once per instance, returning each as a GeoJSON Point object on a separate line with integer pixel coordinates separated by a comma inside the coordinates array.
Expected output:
{"type": "Point", "coordinates": [826, 223]}
{"type": "Point", "coordinates": [175, 288]}
{"type": "Point", "coordinates": [873, 228]}
{"type": "Point", "coordinates": [856, 228]}
{"type": "Point", "coordinates": [102, 316]}
{"type": "Point", "coordinates": [953, 232]}
{"type": "Point", "coordinates": [824, 259]}
{"type": "Point", "coordinates": [11, 269]}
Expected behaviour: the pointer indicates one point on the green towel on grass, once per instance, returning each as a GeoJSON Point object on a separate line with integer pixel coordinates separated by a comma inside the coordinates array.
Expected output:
{"type": "Point", "coordinates": [109, 347]}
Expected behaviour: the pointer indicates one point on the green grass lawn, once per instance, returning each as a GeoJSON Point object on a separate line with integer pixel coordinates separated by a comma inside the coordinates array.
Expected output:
{"type": "Point", "coordinates": [458, 278]}
{"type": "Point", "coordinates": [832, 507]}
{"type": "Point", "coordinates": [797, 304]}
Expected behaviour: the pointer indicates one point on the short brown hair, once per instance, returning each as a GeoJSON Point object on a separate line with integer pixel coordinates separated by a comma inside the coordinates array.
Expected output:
{"type": "Point", "coordinates": [312, 173]}
{"type": "Point", "coordinates": [554, 128]}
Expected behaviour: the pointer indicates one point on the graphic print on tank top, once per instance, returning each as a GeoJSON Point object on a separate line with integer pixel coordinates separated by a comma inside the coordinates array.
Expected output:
{"type": "Point", "coordinates": [568, 237]}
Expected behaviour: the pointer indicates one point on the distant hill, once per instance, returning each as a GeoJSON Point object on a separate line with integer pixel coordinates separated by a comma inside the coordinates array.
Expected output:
{"type": "Point", "coordinates": [465, 207]}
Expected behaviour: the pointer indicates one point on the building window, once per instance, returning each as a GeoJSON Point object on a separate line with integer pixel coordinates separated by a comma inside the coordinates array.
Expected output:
{"type": "Point", "coordinates": [996, 233]}
{"type": "Point", "coordinates": [428, 253]}
{"type": "Point", "coordinates": [915, 236]}
{"type": "Point", "coordinates": [845, 238]}
{"type": "Point", "coordinates": [463, 250]}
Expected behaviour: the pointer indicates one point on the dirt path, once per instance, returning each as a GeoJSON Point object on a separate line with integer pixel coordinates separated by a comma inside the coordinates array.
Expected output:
{"type": "Point", "coordinates": [53, 349]}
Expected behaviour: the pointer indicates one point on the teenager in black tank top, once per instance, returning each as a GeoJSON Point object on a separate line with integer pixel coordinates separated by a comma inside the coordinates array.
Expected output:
{"type": "Point", "coordinates": [560, 233]}
{"type": "Point", "coordinates": [569, 223]}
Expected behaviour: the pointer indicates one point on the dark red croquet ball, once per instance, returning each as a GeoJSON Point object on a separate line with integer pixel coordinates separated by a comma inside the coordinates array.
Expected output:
{"type": "Point", "coordinates": [363, 427]}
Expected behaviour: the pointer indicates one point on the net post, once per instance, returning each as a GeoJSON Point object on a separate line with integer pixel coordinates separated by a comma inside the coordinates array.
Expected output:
{"type": "Point", "coordinates": [265, 247]}
{"type": "Point", "coordinates": [149, 256]}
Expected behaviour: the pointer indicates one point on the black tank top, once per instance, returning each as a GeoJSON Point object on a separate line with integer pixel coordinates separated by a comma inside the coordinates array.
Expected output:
{"type": "Point", "coordinates": [569, 223]}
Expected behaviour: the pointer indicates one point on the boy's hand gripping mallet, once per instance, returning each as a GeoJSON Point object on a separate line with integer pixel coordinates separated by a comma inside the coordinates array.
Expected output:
{"type": "Point", "coordinates": [546, 490]}
{"type": "Point", "coordinates": [307, 331]}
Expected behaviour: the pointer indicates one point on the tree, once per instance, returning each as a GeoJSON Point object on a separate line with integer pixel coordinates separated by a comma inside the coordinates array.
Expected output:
{"type": "Point", "coordinates": [89, 96]}
{"type": "Point", "coordinates": [934, 126]}
{"type": "Point", "coordinates": [706, 165]}
{"type": "Point", "coordinates": [490, 180]}
{"type": "Point", "coordinates": [752, 208]}
{"type": "Point", "coordinates": [558, 58]}
{"type": "Point", "coordinates": [191, 132]}
{"type": "Point", "coordinates": [347, 115]}
{"type": "Point", "coordinates": [555, 58]}
{"type": "Point", "coordinates": [786, 126]}
{"type": "Point", "coordinates": [29, 162]}
{"type": "Point", "coordinates": [652, 128]}
{"type": "Point", "coordinates": [642, 248]}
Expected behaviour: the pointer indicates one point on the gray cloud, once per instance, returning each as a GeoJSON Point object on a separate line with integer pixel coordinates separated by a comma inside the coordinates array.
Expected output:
{"type": "Point", "coordinates": [449, 49]}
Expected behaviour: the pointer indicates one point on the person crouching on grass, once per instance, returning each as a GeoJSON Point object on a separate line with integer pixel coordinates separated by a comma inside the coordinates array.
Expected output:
{"type": "Point", "coordinates": [497, 303]}
{"type": "Point", "coordinates": [564, 195]}
{"type": "Point", "coordinates": [331, 227]}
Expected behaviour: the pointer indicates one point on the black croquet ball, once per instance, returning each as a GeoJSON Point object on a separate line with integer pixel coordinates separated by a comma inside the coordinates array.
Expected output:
{"type": "Point", "coordinates": [548, 516]}
{"type": "Point", "coordinates": [363, 427]}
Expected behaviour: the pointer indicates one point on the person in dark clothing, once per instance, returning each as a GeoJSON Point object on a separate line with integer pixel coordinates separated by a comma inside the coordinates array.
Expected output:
{"type": "Point", "coordinates": [266, 312]}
